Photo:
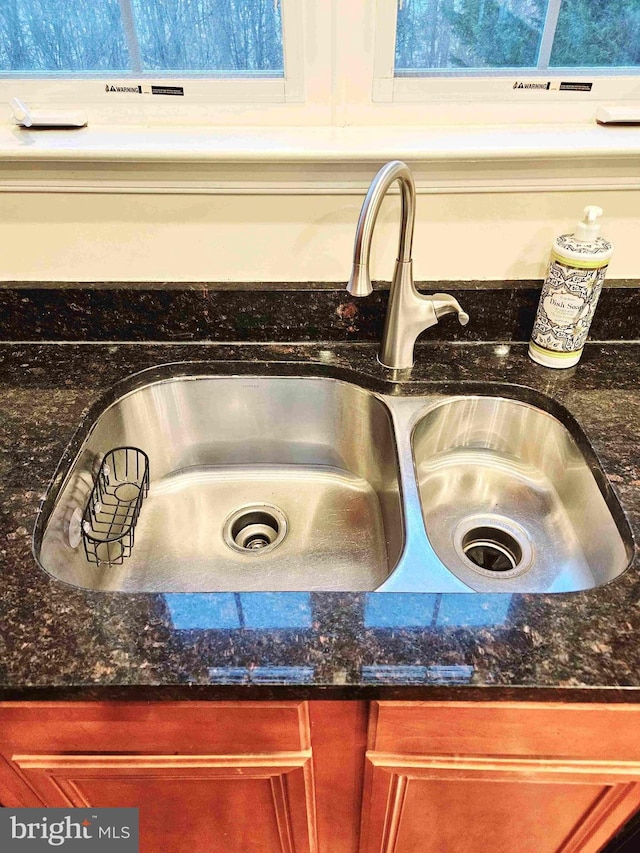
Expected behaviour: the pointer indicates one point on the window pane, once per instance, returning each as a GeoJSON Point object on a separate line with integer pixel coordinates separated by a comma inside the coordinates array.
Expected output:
{"type": "Point", "coordinates": [235, 36]}
{"type": "Point", "coordinates": [601, 33]}
{"type": "Point", "coordinates": [209, 35]}
{"type": "Point", "coordinates": [62, 35]}
{"type": "Point", "coordinates": [476, 34]}
{"type": "Point", "coordinates": [468, 34]}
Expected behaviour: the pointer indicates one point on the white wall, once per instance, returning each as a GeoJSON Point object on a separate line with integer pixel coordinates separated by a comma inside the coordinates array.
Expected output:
{"type": "Point", "coordinates": [118, 237]}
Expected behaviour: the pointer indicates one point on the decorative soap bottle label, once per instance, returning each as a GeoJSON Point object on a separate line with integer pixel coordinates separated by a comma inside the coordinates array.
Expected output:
{"type": "Point", "coordinates": [567, 302]}
{"type": "Point", "coordinates": [570, 293]}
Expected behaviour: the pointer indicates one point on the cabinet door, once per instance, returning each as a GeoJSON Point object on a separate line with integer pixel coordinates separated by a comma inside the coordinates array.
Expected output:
{"type": "Point", "coordinates": [207, 777]}
{"type": "Point", "coordinates": [195, 803]}
{"type": "Point", "coordinates": [506, 778]}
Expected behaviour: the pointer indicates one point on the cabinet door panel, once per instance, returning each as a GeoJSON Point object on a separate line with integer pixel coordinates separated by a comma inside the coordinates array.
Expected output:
{"type": "Point", "coordinates": [437, 804]}
{"type": "Point", "coordinates": [234, 777]}
{"type": "Point", "coordinates": [195, 804]}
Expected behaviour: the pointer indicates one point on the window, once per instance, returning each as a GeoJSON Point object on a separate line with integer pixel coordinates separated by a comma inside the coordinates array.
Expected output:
{"type": "Point", "coordinates": [507, 49]}
{"type": "Point", "coordinates": [140, 58]}
{"type": "Point", "coordinates": [475, 35]}
{"type": "Point", "coordinates": [321, 62]}
{"type": "Point", "coordinates": [142, 37]}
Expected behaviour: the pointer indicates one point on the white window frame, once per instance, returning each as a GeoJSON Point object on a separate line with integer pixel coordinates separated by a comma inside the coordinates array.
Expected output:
{"type": "Point", "coordinates": [339, 70]}
{"type": "Point", "coordinates": [493, 88]}
{"type": "Point", "coordinates": [327, 133]}
{"type": "Point", "coordinates": [209, 98]}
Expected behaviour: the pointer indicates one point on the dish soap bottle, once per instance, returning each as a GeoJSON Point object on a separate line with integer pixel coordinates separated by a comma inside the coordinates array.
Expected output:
{"type": "Point", "coordinates": [570, 293]}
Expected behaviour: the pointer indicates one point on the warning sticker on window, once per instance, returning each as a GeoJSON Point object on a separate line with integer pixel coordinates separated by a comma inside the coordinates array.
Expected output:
{"type": "Point", "coordinates": [538, 84]}
{"type": "Point", "coordinates": [131, 90]}
{"type": "Point", "coordinates": [576, 87]}
{"type": "Point", "coordinates": [167, 90]}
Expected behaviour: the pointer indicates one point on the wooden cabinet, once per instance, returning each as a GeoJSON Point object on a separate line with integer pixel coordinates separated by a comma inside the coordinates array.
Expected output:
{"type": "Point", "coordinates": [333, 777]}
{"type": "Point", "coordinates": [207, 777]}
{"type": "Point", "coordinates": [504, 777]}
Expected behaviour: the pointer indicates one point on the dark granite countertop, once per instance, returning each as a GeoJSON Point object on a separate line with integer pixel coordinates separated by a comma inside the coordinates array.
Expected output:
{"type": "Point", "coordinates": [57, 641]}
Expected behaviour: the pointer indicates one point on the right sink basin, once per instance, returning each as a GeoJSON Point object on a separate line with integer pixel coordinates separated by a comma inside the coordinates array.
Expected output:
{"type": "Point", "coordinates": [511, 502]}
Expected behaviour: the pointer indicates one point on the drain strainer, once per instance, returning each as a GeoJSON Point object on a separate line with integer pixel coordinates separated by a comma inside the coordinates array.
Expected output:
{"type": "Point", "coordinates": [494, 546]}
{"type": "Point", "coordinates": [255, 529]}
{"type": "Point", "coordinates": [492, 549]}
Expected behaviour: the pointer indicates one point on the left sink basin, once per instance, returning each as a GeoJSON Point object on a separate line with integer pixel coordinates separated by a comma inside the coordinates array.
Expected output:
{"type": "Point", "coordinates": [256, 483]}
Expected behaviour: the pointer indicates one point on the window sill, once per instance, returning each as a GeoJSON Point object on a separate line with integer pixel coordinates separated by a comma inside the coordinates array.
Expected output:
{"type": "Point", "coordinates": [317, 159]}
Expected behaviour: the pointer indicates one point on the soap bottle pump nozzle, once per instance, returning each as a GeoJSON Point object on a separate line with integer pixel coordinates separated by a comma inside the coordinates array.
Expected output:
{"type": "Point", "coordinates": [589, 228]}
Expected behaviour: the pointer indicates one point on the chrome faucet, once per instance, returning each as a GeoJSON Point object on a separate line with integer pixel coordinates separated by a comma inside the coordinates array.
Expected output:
{"type": "Point", "coordinates": [408, 312]}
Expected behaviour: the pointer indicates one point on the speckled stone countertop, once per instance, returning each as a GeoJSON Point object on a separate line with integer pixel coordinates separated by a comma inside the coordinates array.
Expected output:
{"type": "Point", "coordinates": [61, 642]}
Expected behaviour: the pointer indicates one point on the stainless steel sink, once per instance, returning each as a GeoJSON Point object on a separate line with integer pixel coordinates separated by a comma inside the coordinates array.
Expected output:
{"type": "Point", "coordinates": [509, 500]}
{"type": "Point", "coordinates": [257, 483]}
{"type": "Point", "coordinates": [297, 483]}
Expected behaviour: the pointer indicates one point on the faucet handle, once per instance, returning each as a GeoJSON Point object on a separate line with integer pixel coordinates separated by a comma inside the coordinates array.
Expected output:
{"type": "Point", "coordinates": [444, 303]}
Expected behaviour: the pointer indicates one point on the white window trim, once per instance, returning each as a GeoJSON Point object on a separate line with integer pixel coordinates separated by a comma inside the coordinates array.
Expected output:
{"type": "Point", "coordinates": [490, 93]}
{"type": "Point", "coordinates": [309, 160]}
{"type": "Point", "coordinates": [326, 43]}
{"type": "Point", "coordinates": [260, 97]}
{"type": "Point", "coordinates": [331, 142]}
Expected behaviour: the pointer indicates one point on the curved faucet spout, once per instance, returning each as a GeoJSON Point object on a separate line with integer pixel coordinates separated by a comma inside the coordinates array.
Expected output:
{"type": "Point", "coordinates": [408, 313]}
{"type": "Point", "coordinates": [360, 281]}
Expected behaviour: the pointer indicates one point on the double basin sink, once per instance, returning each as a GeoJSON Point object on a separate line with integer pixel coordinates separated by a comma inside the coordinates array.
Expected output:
{"type": "Point", "coordinates": [291, 482]}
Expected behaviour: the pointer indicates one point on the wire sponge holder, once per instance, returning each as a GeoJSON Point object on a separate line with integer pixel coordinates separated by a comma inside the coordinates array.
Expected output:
{"type": "Point", "coordinates": [111, 514]}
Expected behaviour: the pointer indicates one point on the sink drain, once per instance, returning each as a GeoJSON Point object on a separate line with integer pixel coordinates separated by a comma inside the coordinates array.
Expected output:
{"type": "Point", "coordinates": [255, 529]}
{"type": "Point", "coordinates": [494, 546]}
{"type": "Point", "coordinates": [491, 549]}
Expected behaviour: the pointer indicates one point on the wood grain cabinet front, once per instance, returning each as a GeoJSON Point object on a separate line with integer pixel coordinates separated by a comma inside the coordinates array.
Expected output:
{"type": "Point", "coordinates": [334, 777]}
{"type": "Point", "coordinates": [208, 777]}
{"type": "Point", "coordinates": [509, 778]}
